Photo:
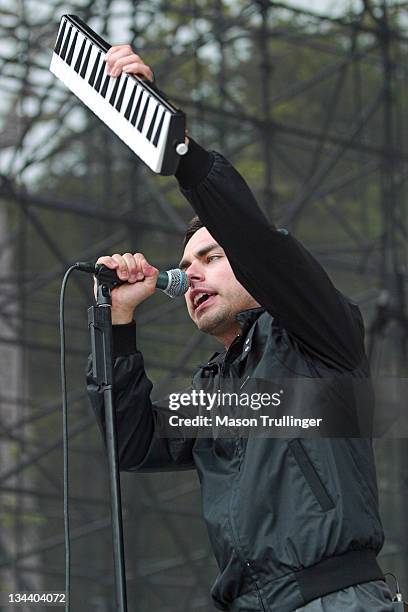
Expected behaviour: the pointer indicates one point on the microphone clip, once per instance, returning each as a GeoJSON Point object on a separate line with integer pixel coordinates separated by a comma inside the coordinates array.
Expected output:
{"type": "Point", "coordinates": [107, 277]}
{"type": "Point", "coordinates": [104, 292]}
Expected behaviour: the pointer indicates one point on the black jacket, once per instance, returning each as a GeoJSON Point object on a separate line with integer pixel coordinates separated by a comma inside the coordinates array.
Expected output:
{"type": "Point", "coordinates": [289, 519]}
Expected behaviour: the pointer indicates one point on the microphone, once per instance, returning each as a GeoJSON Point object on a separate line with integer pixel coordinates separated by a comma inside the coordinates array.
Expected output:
{"type": "Point", "coordinates": [174, 282]}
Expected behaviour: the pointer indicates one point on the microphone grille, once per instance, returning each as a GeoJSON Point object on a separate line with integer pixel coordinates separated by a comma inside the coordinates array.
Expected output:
{"type": "Point", "coordinates": [178, 283]}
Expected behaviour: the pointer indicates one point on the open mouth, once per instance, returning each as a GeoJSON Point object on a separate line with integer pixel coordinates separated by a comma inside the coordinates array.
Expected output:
{"type": "Point", "coordinates": [202, 298]}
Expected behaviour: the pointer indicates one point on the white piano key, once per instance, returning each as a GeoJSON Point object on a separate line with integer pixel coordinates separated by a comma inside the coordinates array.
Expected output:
{"type": "Point", "coordinates": [65, 43]}
{"type": "Point", "coordinates": [115, 93]}
{"type": "Point", "coordinates": [137, 105]}
{"type": "Point", "coordinates": [124, 82]}
{"type": "Point", "coordinates": [83, 69]}
{"type": "Point", "coordinates": [157, 123]}
{"type": "Point", "coordinates": [100, 75]}
{"type": "Point", "coordinates": [78, 47]}
{"type": "Point", "coordinates": [112, 83]}
{"type": "Point", "coordinates": [144, 99]}
{"type": "Point", "coordinates": [126, 98]}
{"type": "Point", "coordinates": [72, 45]}
{"type": "Point", "coordinates": [149, 115]}
{"type": "Point", "coordinates": [161, 145]}
{"type": "Point", "coordinates": [94, 54]}
{"type": "Point", "coordinates": [60, 35]}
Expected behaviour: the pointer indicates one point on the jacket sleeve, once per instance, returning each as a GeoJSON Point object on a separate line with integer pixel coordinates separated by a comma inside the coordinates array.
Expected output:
{"type": "Point", "coordinates": [271, 264]}
{"type": "Point", "coordinates": [137, 418]}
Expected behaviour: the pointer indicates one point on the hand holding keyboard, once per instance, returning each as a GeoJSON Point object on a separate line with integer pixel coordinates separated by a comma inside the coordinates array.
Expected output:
{"type": "Point", "coordinates": [132, 107]}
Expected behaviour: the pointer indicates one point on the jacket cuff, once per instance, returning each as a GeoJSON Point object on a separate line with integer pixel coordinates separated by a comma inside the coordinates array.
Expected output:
{"type": "Point", "coordinates": [194, 166]}
{"type": "Point", "coordinates": [124, 339]}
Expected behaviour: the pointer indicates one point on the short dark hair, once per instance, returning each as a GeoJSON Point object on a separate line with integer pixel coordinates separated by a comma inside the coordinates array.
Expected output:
{"type": "Point", "coordinates": [193, 226]}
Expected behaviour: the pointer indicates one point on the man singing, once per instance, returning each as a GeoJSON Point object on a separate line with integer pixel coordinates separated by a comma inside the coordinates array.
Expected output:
{"type": "Point", "coordinates": [293, 523]}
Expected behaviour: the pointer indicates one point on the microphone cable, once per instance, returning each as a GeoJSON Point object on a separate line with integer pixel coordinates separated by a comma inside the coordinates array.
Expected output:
{"type": "Point", "coordinates": [398, 603]}
{"type": "Point", "coordinates": [65, 438]}
{"type": "Point", "coordinates": [174, 283]}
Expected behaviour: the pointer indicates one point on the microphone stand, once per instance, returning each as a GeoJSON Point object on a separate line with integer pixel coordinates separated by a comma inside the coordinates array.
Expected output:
{"type": "Point", "coordinates": [100, 326]}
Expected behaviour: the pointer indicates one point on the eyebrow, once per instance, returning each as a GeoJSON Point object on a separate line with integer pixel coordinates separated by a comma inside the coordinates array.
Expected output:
{"type": "Point", "coordinates": [184, 263]}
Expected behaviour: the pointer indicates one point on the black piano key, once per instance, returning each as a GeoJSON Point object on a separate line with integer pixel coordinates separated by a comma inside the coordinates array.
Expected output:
{"type": "Point", "coordinates": [72, 49]}
{"type": "Point", "coordinates": [94, 69]}
{"type": "Point", "coordinates": [158, 131]}
{"type": "Point", "coordinates": [130, 104]}
{"type": "Point", "coordinates": [60, 38]}
{"type": "Point", "coordinates": [137, 107]}
{"type": "Point", "coordinates": [143, 115]}
{"type": "Point", "coordinates": [121, 95]}
{"type": "Point", "coordinates": [114, 91]}
{"type": "Point", "coordinates": [66, 42]}
{"type": "Point", "coordinates": [105, 85]}
{"type": "Point", "coordinates": [84, 67]}
{"type": "Point", "coordinates": [80, 57]}
{"type": "Point", "coordinates": [153, 121]}
{"type": "Point", "coordinates": [98, 83]}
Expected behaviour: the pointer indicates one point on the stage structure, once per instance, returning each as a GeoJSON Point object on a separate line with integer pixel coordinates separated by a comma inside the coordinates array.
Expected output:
{"type": "Point", "coordinates": [312, 108]}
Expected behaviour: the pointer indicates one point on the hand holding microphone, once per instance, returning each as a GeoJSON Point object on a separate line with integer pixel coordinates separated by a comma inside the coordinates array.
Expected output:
{"type": "Point", "coordinates": [138, 280]}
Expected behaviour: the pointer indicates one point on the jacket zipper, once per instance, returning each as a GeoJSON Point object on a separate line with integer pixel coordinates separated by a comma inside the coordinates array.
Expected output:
{"type": "Point", "coordinates": [245, 562]}
{"type": "Point", "coordinates": [241, 557]}
{"type": "Point", "coordinates": [244, 383]}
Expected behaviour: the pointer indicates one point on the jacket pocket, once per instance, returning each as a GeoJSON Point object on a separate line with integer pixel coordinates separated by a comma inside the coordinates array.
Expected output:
{"type": "Point", "coordinates": [311, 476]}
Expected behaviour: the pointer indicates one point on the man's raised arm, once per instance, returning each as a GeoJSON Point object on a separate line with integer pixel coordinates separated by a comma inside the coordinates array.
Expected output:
{"type": "Point", "coordinates": [271, 264]}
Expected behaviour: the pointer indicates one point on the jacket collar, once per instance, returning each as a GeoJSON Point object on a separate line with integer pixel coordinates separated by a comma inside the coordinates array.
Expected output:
{"type": "Point", "coordinates": [247, 318]}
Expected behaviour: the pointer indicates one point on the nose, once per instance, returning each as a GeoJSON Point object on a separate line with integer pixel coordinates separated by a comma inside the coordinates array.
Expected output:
{"type": "Point", "coordinates": [195, 273]}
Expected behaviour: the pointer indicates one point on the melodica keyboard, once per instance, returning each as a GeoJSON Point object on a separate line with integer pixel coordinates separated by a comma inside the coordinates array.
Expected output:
{"type": "Point", "coordinates": [131, 107]}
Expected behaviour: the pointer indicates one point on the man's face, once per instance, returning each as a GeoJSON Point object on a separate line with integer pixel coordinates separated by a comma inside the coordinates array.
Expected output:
{"type": "Point", "coordinates": [215, 296]}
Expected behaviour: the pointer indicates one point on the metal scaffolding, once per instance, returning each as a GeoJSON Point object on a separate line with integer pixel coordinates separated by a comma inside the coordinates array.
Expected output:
{"type": "Point", "coordinates": [310, 107]}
